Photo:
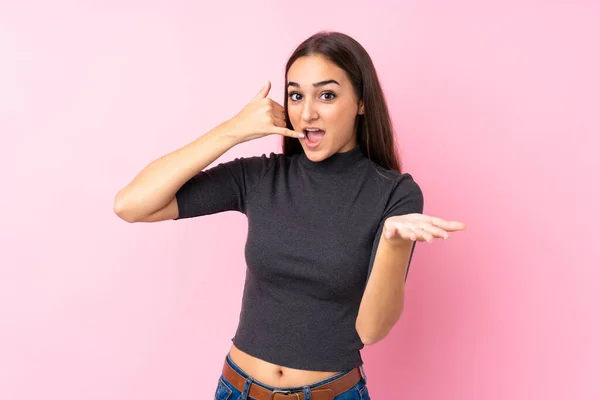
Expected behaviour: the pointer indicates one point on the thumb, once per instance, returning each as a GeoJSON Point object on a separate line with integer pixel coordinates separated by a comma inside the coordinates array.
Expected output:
{"type": "Point", "coordinates": [264, 91]}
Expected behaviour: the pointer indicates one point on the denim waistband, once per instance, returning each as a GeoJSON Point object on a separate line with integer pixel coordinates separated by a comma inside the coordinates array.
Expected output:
{"type": "Point", "coordinates": [311, 386]}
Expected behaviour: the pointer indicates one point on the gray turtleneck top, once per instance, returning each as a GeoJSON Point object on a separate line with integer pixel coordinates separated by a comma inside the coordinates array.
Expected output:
{"type": "Point", "coordinates": [313, 231]}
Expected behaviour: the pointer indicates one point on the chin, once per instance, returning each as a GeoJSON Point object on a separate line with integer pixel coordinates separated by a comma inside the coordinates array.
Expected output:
{"type": "Point", "coordinates": [316, 155]}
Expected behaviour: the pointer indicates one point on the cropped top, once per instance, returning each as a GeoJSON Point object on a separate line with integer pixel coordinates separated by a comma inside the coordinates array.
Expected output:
{"type": "Point", "coordinates": [313, 231]}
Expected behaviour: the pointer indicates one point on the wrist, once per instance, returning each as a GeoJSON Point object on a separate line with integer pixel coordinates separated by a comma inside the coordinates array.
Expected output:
{"type": "Point", "coordinates": [231, 132]}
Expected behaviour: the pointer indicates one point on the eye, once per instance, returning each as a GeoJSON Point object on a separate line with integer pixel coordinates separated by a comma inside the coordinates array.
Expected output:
{"type": "Point", "coordinates": [330, 94]}
{"type": "Point", "coordinates": [291, 96]}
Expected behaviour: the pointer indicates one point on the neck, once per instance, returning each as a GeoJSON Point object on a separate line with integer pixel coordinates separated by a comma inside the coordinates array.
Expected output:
{"type": "Point", "coordinates": [337, 162]}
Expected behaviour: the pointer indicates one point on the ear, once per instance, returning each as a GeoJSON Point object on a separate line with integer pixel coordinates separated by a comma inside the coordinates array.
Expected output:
{"type": "Point", "coordinates": [361, 108]}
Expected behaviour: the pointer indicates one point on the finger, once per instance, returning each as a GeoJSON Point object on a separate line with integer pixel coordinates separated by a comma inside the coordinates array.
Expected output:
{"type": "Point", "coordinates": [279, 122]}
{"type": "Point", "coordinates": [264, 91]}
{"type": "Point", "coordinates": [447, 225]}
{"type": "Point", "coordinates": [434, 231]}
{"type": "Point", "coordinates": [279, 113]}
{"type": "Point", "coordinates": [415, 233]}
{"type": "Point", "coordinates": [288, 132]}
{"type": "Point", "coordinates": [401, 230]}
{"type": "Point", "coordinates": [411, 231]}
{"type": "Point", "coordinates": [278, 110]}
{"type": "Point", "coordinates": [276, 105]}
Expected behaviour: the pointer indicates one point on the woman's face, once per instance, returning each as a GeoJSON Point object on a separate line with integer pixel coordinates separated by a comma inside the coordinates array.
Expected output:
{"type": "Point", "coordinates": [321, 96]}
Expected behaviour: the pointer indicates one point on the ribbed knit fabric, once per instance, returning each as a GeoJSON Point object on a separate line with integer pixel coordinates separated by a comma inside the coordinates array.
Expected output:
{"type": "Point", "coordinates": [313, 231]}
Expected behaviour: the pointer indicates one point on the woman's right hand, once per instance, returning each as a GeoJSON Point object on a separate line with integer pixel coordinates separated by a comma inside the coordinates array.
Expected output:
{"type": "Point", "coordinates": [261, 117]}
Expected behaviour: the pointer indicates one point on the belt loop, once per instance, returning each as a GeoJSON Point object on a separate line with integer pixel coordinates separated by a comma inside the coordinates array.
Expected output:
{"type": "Point", "coordinates": [245, 393]}
{"type": "Point", "coordinates": [306, 390]}
{"type": "Point", "coordinates": [362, 373]}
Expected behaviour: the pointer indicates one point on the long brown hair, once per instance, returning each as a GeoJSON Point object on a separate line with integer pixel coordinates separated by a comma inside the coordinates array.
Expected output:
{"type": "Point", "coordinates": [375, 133]}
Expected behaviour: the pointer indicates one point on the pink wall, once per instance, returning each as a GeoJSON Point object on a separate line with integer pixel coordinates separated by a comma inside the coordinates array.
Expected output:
{"type": "Point", "coordinates": [496, 108]}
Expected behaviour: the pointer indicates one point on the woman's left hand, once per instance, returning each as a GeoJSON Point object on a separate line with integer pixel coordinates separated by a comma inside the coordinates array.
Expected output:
{"type": "Point", "coordinates": [419, 227]}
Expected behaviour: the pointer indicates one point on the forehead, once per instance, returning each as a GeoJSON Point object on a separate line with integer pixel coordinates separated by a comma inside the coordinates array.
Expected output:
{"type": "Point", "coordinates": [311, 69]}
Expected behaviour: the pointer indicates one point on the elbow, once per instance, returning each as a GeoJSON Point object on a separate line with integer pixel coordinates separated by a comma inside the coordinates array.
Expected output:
{"type": "Point", "coordinates": [121, 210]}
{"type": "Point", "coordinates": [368, 335]}
{"type": "Point", "coordinates": [367, 341]}
{"type": "Point", "coordinates": [373, 332]}
{"type": "Point", "coordinates": [370, 338]}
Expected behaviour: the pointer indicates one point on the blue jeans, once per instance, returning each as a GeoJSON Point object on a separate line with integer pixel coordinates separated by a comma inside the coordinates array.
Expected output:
{"type": "Point", "coordinates": [226, 391]}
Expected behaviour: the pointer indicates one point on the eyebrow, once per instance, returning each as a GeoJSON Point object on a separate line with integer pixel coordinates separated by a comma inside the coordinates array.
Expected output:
{"type": "Point", "coordinates": [322, 83]}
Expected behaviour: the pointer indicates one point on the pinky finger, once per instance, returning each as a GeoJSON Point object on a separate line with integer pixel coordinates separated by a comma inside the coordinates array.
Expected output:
{"type": "Point", "coordinates": [289, 132]}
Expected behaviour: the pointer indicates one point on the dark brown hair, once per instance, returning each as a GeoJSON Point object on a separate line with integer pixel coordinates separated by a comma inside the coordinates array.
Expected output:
{"type": "Point", "coordinates": [375, 133]}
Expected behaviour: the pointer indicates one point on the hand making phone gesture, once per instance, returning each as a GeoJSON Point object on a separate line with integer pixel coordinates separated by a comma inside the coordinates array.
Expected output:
{"type": "Point", "coordinates": [261, 117]}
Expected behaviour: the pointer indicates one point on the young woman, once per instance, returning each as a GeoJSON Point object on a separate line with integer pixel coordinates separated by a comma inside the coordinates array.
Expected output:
{"type": "Point", "coordinates": [332, 224]}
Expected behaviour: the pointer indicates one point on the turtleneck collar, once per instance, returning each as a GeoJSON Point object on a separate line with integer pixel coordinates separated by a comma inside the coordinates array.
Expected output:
{"type": "Point", "coordinates": [337, 162]}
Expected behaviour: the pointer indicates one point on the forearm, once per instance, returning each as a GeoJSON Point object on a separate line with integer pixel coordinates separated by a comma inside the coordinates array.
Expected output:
{"type": "Point", "coordinates": [156, 185]}
{"type": "Point", "coordinates": [383, 300]}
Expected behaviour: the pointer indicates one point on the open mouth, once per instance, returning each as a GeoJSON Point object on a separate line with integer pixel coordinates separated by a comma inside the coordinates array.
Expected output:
{"type": "Point", "coordinates": [313, 137]}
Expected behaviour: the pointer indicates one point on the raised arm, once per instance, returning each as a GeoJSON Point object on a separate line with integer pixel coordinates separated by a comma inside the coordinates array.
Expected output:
{"type": "Point", "coordinates": [150, 197]}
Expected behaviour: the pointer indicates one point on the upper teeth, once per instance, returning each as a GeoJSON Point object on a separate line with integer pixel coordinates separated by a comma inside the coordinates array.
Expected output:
{"type": "Point", "coordinates": [312, 129]}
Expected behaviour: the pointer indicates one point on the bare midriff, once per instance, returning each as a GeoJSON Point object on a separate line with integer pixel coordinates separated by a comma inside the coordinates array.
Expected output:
{"type": "Point", "coordinates": [273, 374]}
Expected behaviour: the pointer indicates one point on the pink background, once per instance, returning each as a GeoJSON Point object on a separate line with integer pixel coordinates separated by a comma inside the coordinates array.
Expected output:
{"type": "Point", "coordinates": [496, 109]}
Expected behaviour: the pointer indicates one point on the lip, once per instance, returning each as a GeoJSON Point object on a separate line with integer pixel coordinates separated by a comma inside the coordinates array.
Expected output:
{"type": "Point", "coordinates": [310, 144]}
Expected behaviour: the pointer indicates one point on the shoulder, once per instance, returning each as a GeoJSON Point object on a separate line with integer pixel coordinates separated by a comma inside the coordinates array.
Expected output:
{"type": "Point", "coordinates": [394, 179]}
{"type": "Point", "coordinates": [401, 187]}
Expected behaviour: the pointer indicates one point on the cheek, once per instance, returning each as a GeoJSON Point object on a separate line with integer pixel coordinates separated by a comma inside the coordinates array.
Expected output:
{"type": "Point", "coordinates": [294, 115]}
{"type": "Point", "coordinates": [337, 116]}
{"type": "Point", "coordinates": [331, 115]}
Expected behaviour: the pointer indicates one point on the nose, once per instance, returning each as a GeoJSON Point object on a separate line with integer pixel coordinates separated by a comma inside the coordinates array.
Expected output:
{"type": "Point", "coordinates": [309, 111]}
